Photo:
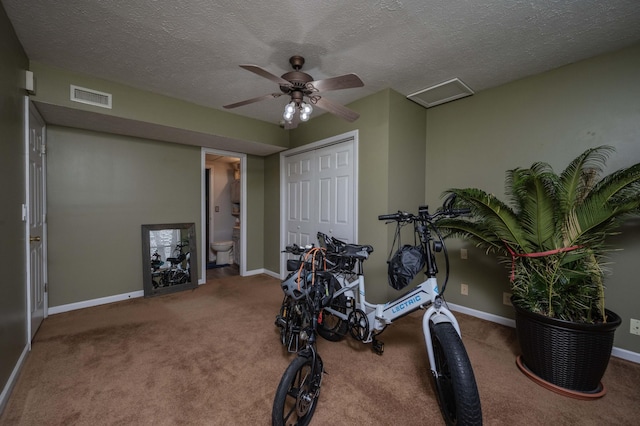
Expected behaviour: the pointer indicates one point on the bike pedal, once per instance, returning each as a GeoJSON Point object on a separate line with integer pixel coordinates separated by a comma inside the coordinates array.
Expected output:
{"type": "Point", "coordinates": [377, 347]}
{"type": "Point", "coordinates": [281, 322]}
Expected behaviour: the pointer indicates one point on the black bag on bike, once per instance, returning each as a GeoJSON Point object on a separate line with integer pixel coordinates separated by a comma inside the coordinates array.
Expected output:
{"type": "Point", "coordinates": [404, 265]}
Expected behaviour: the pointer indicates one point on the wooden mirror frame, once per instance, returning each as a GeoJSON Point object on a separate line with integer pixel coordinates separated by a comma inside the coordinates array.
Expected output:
{"type": "Point", "coordinates": [151, 276]}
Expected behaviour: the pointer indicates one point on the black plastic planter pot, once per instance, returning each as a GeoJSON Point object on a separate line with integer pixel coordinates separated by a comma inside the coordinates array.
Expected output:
{"type": "Point", "coordinates": [570, 358]}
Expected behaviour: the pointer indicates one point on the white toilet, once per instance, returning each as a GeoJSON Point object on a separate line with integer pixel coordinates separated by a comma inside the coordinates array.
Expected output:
{"type": "Point", "coordinates": [222, 251]}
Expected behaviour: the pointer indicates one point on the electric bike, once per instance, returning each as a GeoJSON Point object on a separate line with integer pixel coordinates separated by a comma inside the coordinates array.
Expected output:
{"type": "Point", "coordinates": [350, 311]}
{"type": "Point", "coordinates": [294, 316]}
{"type": "Point", "coordinates": [308, 289]}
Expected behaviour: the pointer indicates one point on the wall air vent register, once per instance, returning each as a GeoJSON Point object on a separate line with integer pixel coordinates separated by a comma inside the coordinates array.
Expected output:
{"type": "Point", "coordinates": [90, 97]}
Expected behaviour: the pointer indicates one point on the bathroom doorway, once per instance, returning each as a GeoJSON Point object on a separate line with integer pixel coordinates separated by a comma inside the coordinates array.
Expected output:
{"type": "Point", "coordinates": [223, 213]}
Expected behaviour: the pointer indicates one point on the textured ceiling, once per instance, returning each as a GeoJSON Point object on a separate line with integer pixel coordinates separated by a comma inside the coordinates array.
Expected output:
{"type": "Point", "coordinates": [191, 49]}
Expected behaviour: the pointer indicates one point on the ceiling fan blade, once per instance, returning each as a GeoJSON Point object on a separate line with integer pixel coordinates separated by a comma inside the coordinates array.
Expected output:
{"type": "Point", "coordinates": [346, 81]}
{"type": "Point", "coordinates": [337, 109]}
{"type": "Point", "coordinates": [252, 100]}
{"type": "Point", "coordinates": [266, 74]}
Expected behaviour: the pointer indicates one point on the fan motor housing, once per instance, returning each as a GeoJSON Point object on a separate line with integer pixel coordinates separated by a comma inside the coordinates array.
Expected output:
{"type": "Point", "coordinates": [297, 78]}
{"type": "Point", "coordinates": [298, 86]}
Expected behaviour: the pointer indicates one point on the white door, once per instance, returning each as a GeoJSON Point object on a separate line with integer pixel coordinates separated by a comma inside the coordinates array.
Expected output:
{"type": "Point", "coordinates": [36, 207]}
{"type": "Point", "coordinates": [300, 217]}
{"type": "Point", "coordinates": [319, 191]}
{"type": "Point", "coordinates": [335, 185]}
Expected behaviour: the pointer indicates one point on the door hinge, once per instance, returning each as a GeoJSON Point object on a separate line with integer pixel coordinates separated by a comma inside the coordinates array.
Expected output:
{"type": "Point", "coordinates": [46, 287]}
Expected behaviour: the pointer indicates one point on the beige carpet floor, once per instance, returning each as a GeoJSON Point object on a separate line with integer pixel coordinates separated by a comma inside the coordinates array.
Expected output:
{"type": "Point", "coordinates": [212, 356]}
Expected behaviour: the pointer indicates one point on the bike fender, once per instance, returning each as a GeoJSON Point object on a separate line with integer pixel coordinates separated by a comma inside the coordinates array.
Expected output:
{"type": "Point", "coordinates": [438, 316]}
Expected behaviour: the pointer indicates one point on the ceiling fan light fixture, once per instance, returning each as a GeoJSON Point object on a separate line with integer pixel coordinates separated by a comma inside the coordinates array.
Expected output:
{"type": "Point", "coordinates": [298, 86]}
{"type": "Point", "coordinates": [289, 111]}
{"type": "Point", "coordinates": [305, 111]}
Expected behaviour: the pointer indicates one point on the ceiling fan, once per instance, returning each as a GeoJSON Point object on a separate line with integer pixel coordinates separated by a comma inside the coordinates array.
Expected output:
{"type": "Point", "coordinates": [304, 92]}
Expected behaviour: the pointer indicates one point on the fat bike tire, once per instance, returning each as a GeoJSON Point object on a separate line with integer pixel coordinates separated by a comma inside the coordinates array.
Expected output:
{"type": "Point", "coordinates": [333, 328]}
{"type": "Point", "coordinates": [454, 381]}
{"type": "Point", "coordinates": [297, 394]}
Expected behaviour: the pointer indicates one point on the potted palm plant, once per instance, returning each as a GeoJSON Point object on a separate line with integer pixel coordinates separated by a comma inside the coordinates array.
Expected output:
{"type": "Point", "coordinates": [552, 235]}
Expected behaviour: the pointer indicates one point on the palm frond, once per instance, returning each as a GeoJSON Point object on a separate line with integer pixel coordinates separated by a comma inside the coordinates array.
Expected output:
{"type": "Point", "coordinates": [613, 199]}
{"type": "Point", "coordinates": [492, 216]}
{"type": "Point", "coordinates": [472, 231]}
{"type": "Point", "coordinates": [539, 204]}
{"type": "Point", "coordinates": [621, 186]}
{"type": "Point", "coordinates": [578, 177]}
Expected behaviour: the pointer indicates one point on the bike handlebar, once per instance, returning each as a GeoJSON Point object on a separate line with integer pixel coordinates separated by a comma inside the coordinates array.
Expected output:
{"type": "Point", "coordinates": [398, 217]}
{"type": "Point", "coordinates": [296, 249]}
{"type": "Point", "coordinates": [401, 216]}
{"type": "Point", "coordinates": [446, 210]}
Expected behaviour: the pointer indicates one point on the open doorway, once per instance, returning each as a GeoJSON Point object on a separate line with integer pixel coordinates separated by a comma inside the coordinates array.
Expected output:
{"type": "Point", "coordinates": [223, 214]}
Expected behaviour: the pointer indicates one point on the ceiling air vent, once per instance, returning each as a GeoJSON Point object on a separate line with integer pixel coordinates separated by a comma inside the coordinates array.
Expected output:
{"type": "Point", "coordinates": [90, 96]}
{"type": "Point", "coordinates": [441, 93]}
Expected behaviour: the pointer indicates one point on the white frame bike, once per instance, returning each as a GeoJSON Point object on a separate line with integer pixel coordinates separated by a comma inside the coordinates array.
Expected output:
{"type": "Point", "coordinates": [350, 312]}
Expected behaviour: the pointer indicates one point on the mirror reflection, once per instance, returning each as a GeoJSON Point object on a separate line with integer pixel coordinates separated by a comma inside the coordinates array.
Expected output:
{"type": "Point", "coordinates": [168, 255]}
{"type": "Point", "coordinates": [169, 245]}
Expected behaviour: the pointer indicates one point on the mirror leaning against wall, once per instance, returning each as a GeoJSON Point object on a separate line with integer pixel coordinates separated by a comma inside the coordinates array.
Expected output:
{"type": "Point", "coordinates": [169, 258]}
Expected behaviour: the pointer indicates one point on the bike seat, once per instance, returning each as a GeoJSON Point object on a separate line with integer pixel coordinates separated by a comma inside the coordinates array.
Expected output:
{"type": "Point", "coordinates": [357, 251]}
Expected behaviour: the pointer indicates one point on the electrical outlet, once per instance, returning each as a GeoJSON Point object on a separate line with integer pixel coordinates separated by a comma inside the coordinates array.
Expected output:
{"type": "Point", "coordinates": [635, 326]}
{"type": "Point", "coordinates": [464, 289]}
{"type": "Point", "coordinates": [463, 254]}
{"type": "Point", "coordinates": [506, 298]}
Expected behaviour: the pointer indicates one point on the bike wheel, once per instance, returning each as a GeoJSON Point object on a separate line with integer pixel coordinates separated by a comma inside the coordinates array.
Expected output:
{"type": "Point", "coordinates": [297, 393]}
{"type": "Point", "coordinates": [293, 318]}
{"type": "Point", "coordinates": [331, 327]}
{"type": "Point", "coordinates": [282, 319]}
{"type": "Point", "coordinates": [455, 383]}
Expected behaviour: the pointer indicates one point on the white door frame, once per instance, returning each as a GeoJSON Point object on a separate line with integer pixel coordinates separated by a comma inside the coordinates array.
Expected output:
{"type": "Point", "coordinates": [29, 108]}
{"type": "Point", "coordinates": [351, 136]}
{"type": "Point", "coordinates": [243, 210]}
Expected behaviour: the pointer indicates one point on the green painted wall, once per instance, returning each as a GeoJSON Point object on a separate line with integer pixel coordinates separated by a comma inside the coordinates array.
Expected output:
{"type": "Point", "coordinates": [255, 213]}
{"type": "Point", "coordinates": [272, 213]}
{"type": "Point", "coordinates": [53, 87]}
{"type": "Point", "coordinates": [13, 309]}
{"type": "Point", "coordinates": [551, 117]}
{"type": "Point", "coordinates": [101, 189]}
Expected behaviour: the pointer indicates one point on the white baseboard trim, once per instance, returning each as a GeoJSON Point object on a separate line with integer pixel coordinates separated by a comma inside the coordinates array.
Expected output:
{"type": "Point", "coordinates": [617, 352]}
{"type": "Point", "coordinates": [262, 271]}
{"type": "Point", "coordinates": [482, 315]}
{"type": "Point", "coordinates": [6, 392]}
{"type": "Point", "coordinates": [272, 274]}
{"type": "Point", "coordinates": [625, 354]}
{"type": "Point", "coordinates": [94, 302]}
